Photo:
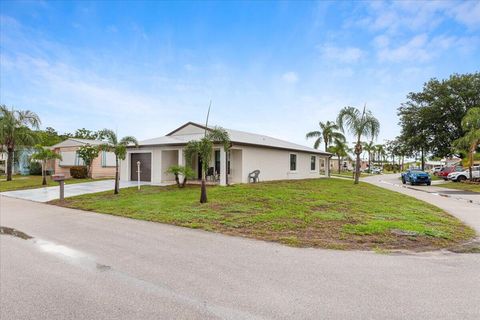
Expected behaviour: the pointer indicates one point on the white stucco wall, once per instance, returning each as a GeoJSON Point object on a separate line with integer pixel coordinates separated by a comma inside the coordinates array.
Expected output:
{"type": "Point", "coordinates": [274, 164]}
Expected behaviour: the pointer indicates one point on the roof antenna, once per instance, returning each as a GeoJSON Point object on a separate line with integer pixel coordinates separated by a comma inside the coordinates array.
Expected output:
{"type": "Point", "coordinates": [208, 114]}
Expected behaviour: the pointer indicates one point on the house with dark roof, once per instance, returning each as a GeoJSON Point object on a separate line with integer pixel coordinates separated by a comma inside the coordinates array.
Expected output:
{"type": "Point", "coordinates": [275, 159]}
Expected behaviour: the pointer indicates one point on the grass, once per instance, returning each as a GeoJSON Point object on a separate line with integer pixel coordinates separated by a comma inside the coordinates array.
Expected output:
{"type": "Point", "coordinates": [461, 186]}
{"type": "Point", "coordinates": [31, 182]}
{"type": "Point", "coordinates": [326, 213]}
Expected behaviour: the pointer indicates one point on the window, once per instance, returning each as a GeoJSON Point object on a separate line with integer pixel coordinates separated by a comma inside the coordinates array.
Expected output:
{"type": "Point", "coordinates": [217, 161]}
{"type": "Point", "coordinates": [293, 162]}
{"type": "Point", "coordinates": [313, 163]}
{"type": "Point", "coordinates": [108, 159]}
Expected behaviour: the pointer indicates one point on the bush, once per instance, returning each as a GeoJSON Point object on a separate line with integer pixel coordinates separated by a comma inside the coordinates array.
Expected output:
{"type": "Point", "coordinates": [35, 169]}
{"type": "Point", "coordinates": [79, 172]}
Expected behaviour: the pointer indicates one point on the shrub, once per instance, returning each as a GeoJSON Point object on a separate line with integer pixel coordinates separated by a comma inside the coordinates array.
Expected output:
{"type": "Point", "coordinates": [35, 168]}
{"type": "Point", "coordinates": [79, 172]}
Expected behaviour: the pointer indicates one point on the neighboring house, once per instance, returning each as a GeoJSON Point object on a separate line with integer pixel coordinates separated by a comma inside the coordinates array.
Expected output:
{"type": "Point", "coordinates": [276, 159]}
{"type": "Point", "coordinates": [21, 161]}
{"type": "Point", "coordinates": [102, 167]}
{"type": "Point", "coordinates": [346, 164]}
{"type": "Point", "coordinates": [3, 161]}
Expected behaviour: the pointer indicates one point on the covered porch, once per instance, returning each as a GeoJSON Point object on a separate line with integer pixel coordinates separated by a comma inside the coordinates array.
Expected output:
{"type": "Point", "coordinates": [224, 167]}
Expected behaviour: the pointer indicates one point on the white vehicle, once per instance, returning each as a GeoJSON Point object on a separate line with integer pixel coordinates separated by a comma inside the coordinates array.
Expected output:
{"type": "Point", "coordinates": [464, 175]}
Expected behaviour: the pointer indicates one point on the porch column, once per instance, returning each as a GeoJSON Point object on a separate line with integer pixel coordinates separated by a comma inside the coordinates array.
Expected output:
{"type": "Point", "coordinates": [327, 166]}
{"type": "Point", "coordinates": [223, 167]}
{"type": "Point", "coordinates": [181, 162]}
{"type": "Point", "coordinates": [181, 159]}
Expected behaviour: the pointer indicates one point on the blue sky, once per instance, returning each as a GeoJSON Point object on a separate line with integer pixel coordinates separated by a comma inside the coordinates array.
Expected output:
{"type": "Point", "coordinates": [275, 68]}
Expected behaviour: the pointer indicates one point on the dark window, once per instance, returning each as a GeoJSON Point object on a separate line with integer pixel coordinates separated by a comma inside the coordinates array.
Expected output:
{"type": "Point", "coordinates": [313, 163]}
{"type": "Point", "coordinates": [217, 161]}
{"type": "Point", "coordinates": [293, 162]}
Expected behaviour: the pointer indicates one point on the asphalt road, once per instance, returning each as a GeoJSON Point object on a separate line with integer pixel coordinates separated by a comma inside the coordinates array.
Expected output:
{"type": "Point", "coordinates": [81, 265]}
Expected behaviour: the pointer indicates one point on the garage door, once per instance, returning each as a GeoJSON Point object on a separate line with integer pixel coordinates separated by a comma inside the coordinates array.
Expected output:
{"type": "Point", "coordinates": [145, 166]}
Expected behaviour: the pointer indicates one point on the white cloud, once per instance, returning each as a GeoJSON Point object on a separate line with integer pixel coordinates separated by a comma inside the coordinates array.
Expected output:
{"type": "Point", "coordinates": [290, 77]}
{"type": "Point", "coordinates": [421, 48]}
{"type": "Point", "coordinates": [342, 55]}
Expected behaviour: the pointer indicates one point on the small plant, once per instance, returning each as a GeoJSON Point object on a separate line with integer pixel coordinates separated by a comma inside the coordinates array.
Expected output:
{"type": "Point", "coordinates": [184, 171]}
{"type": "Point", "coordinates": [79, 172]}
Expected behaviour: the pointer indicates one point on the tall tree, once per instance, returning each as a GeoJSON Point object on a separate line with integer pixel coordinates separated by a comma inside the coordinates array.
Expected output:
{"type": "Point", "coordinates": [15, 132]}
{"type": "Point", "coordinates": [340, 149]}
{"type": "Point", "coordinates": [381, 153]}
{"type": "Point", "coordinates": [431, 119]}
{"type": "Point", "coordinates": [471, 140]}
{"type": "Point", "coordinates": [203, 148]}
{"type": "Point", "coordinates": [328, 133]}
{"type": "Point", "coordinates": [43, 155]}
{"type": "Point", "coordinates": [118, 147]}
{"type": "Point", "coordinates": [359, 124]}
{"type": "Point", "coordinates": [369, 148]}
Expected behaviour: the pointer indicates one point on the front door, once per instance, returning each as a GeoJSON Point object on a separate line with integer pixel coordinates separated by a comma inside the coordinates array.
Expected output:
{"type": "Point", "coordinates": [145, 166]}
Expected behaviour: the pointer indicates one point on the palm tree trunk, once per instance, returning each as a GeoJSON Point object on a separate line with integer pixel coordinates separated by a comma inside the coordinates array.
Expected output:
{"type": "Point", "coordinates": [177, 180]}
{"type": "Point", "coordinates": [326, 146]}
{"type": "Point", "coordinates": [9, 164]}
{"type": "Point", "coordinates": [44, 175]}
{"type": "Point", "coordinates": [339, 164]}
{"type": "Point", "coordinates": [358, 151]}
{"type": "Point", "coordinates": [423, 160]}
{"type": "Point", "coordinates": [116, 176]}
{"type": "Point", "coordinates": [203, 192]}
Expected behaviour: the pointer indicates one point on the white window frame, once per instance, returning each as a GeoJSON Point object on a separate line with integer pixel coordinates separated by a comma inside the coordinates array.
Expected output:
{"type": "Point", "coordinates": [290, 162]}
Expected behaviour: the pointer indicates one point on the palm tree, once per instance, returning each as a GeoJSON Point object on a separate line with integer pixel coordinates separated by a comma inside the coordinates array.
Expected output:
{"type": "Point", "coordinates": [204, 149]}
{"type": "Point", "coordinates": [328, 132]}
{"type": "Point", "coordinates": [370, 149]}
{"type": "Point", "coordinates": [340, 149]}
{"type": "Point", "coordinates": [15, 131]}
{"type": "Point", "coordinates": [471, 140]}
{"type": "Point", "coordinates": [381, 153]}
{"type": "Point", "coordinates": [119, 148]}
{"type": "Point", "coordinates": [360, 124]}
{"type": "Point", "coordinates": [43, 154]}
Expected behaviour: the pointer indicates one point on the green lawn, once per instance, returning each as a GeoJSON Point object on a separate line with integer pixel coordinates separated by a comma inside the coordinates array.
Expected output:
{"type": "Point", "coordinates": [32, 182]}
{"type": "Point", "coordinates": [326, 213]}
{"type": "Point", "coordinates": [461, 186]}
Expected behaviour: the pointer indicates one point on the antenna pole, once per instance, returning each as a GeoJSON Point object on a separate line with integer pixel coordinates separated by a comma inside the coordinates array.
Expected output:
{"type": "Point", "coordinates": [208, 114]}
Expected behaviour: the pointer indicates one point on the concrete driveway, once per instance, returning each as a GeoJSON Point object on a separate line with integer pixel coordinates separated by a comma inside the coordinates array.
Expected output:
{"type": "Point", "coordinates": [81, 265]}
{"type": "Point", "coordinates": [465, 205]}
{"type": "Point", "coordinates": [76, 189]}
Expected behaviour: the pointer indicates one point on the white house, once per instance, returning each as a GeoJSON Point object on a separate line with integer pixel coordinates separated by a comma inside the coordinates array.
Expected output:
{"type": "Point", "coordinates": [276, 159]}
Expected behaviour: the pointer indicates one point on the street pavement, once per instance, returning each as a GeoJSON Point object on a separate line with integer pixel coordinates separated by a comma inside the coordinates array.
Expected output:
{"type": "Point", "coordinates": [82, 265]}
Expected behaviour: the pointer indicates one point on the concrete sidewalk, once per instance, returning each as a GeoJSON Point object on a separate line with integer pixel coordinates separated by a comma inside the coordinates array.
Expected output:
{"type": "Point", "coordinates": [51, 193]}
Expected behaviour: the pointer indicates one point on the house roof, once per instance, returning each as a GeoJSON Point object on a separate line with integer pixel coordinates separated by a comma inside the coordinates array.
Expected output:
{"type": "Point", "coordinates": [75, 142]}
{"type": "Point", "coordinates": [237, 137]}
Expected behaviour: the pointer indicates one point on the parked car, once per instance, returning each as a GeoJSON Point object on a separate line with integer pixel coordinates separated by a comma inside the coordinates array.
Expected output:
{"type": "Point", "coordinates": [376, 170]}
{"type": "Point", "coordinates": [416, 177]}
{"type": "Point", "coordinates": [465, 174]}
{"type": "Point", "coordinates": [445, 171]}
{"type": "Point", "coordinates": [436, 170]}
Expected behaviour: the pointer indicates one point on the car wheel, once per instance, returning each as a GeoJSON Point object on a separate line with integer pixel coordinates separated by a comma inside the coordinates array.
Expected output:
{"type": "Point", "coordinates": [403, 180]}
{"type": "Point", "coordinates": [461, 178]}
{"type": "Point", "coordinates": [411, 182]}
{"type": "Point", "coordinates": [429, 183]}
